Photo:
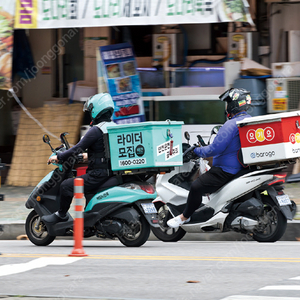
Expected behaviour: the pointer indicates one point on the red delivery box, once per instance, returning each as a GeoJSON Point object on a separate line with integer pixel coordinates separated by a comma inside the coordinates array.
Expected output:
{"type": "Point", "coordinates": [268, 138]}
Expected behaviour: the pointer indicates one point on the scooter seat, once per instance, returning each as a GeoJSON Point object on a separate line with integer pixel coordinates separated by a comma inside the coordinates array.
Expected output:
{"type": "Point", "coordinates": [112, 181]}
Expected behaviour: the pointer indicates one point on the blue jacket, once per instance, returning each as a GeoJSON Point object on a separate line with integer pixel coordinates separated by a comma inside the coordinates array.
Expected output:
{"type": "Point", "coordinates": [225, 146]}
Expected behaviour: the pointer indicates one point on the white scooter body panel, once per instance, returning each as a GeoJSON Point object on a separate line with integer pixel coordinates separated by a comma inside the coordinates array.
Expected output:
{"type": "Point", "coordinates": [216, 221]}
{"type": "Point", "coordinates": [172, 193]}
{"type": "Point", "coordinates": [236, 189]}
{"type": "Point", "coordinates": [176, 195]}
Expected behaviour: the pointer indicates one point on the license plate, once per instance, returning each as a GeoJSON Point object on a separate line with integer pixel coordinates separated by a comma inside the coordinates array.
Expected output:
{"type": "Point", "coordinates": [149, 208]}
{"type": "Point", "coordinates": [283, 200]}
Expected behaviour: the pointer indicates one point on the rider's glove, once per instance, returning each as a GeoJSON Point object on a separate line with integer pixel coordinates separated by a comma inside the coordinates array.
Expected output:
{"type": "Point", "coordinates": [197, 151]}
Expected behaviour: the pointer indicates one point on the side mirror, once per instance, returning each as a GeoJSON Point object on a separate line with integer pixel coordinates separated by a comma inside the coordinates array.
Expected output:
{"type": "Point", "coordinates": [215, 129]}
{"type": "Point", "coordinates": [46, 139]}
{"type": "Point", "coordinates": [187, 136]}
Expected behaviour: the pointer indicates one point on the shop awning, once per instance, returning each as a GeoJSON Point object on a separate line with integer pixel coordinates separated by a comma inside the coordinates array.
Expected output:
{"type": "Point", "coordinates": [95, 13]}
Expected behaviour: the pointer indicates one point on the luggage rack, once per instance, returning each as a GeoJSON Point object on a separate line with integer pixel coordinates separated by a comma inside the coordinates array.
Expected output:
{"type": "Point", "coordinates": [146, 171]}
{"type": "Point", "coordinates": [273, 164]}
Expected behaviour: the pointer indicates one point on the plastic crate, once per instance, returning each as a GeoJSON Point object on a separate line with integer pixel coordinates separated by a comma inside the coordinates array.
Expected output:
{"type": "Point", "coordinates": [269, 138]}
{"type": "Point", "coordinates": [81, 170]}
{"type": "Point", "coordinates": [134, 147]}
{"type": "Point", "coordinates": [199, 76]}
{"type": "Point", "coordinates": [257, 87]}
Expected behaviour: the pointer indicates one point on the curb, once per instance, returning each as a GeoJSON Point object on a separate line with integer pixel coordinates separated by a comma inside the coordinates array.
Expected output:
{"type": "Point", "coordinates": [13, 230]}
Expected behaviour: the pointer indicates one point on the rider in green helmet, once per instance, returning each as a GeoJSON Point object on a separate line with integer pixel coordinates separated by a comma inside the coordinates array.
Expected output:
{"type": "Point", "coordinates": [101, 108]}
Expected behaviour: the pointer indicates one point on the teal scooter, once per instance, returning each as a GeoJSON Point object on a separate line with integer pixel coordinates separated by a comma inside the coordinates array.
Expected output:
{"type": "Point", "coordinates": [121, 208]}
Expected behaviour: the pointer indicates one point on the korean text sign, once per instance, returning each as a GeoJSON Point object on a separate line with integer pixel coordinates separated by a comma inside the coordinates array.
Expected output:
{"type": "Point", "coordinates": [123, 83]}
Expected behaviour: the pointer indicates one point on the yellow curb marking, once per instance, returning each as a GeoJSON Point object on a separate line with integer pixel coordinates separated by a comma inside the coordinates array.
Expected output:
{"type": "Point", "coordinates": [166, 258]}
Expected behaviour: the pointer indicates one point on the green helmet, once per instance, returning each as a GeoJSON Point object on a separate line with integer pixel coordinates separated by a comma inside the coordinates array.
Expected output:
{"type": "Point", "coordinates": [99, 104]}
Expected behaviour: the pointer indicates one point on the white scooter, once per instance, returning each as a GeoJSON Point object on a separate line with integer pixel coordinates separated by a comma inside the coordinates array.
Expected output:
{"type": "Point", "coordinates": [252, 203]}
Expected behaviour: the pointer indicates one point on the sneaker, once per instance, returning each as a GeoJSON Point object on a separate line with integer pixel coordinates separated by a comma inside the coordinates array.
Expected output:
{"type": "Point", "coordinates": [54, 218]}
{"type": "Point", "coordinates": [176, 222]}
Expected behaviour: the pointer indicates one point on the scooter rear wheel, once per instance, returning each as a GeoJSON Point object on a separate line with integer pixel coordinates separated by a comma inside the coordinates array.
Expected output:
{"type": "Point", "coordinates": [38, 236]}
{"type": "Point", "coordinates": [274, 222]}
{"type": "Point", "coordinates": [140, 237]}
{"type": "Point", "coordinates": [165, 233]}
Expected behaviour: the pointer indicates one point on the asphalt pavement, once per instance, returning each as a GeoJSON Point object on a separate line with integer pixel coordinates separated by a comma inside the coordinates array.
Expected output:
{"type": "Point", "coordinates": [186, 270]}
{"type": "Point", "coordinates": [13, 214]}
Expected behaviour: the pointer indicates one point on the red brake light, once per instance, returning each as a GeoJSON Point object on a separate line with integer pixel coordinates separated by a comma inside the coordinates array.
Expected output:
{"type": "Point", "coordinates": [278, 178]}
{"type": "Point", "coordinates": [148, 188]}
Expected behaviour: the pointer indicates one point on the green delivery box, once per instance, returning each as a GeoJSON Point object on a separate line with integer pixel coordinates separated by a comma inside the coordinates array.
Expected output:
{"type": "Point", "coordinates": [147, 145]}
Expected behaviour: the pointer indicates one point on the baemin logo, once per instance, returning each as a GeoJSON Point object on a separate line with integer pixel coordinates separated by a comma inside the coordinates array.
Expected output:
{"type": "Point", "coordinates": [262, 154]}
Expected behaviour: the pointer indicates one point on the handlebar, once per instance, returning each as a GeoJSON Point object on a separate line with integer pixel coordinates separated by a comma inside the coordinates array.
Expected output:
{"type": "Point", "coordinates": [79, 158]}
{"type": "Point", "coordinates": [188, 150]}
{"type": "Point", "coordinates": [64, 139]}
{"type": "Point", "coordinates": [201, 141]}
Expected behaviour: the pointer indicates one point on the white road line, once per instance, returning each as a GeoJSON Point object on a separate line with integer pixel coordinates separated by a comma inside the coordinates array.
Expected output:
{"type": "Point", "coordinates": [35, 264]}
{"type": "Point", "coordinates": [243, 297]}
{"type": "Point", "coordinates": [281, 288]}
{"type": "Point", "coordinates": [295, 278]}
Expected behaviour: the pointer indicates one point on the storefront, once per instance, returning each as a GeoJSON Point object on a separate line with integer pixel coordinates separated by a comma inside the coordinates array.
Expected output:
{"type": "Point", "coordinates": [63, 36]}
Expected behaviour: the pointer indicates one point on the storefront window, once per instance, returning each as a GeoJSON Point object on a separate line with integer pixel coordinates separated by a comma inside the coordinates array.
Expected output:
{"type": "Point", "coordinates": [191, 112]}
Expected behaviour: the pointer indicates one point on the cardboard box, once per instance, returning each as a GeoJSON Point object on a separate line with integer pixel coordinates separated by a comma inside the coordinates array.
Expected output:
{"type": "Point", "coordinates": [145, 145]}
{"type": "Point", "coordinates": [269, 138]}
{"type": "Point", "coordinates": [286, 69]}
{"type": "Point", "coordinates": [82, 89]}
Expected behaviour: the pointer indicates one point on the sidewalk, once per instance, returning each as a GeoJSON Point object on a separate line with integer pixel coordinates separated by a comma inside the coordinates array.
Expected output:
{"type": "Point", "coordinates": [13, 214]}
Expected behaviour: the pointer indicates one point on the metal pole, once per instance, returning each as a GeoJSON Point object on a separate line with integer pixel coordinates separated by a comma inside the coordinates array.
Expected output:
{"type": "Point", "coordinates": [2, 166]}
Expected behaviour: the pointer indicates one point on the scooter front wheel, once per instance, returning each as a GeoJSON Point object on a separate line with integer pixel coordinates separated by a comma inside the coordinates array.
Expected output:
{"type": "Point", "coordinates": [136, 234]}
{"type": "Point", "coordinates": [165, 233]}
{"type": "Point", "coordinates": [37, 231]}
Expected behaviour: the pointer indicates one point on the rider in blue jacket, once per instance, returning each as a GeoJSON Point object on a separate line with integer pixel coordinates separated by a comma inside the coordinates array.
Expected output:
{"type": "Point", "coordinates": [224, 151]}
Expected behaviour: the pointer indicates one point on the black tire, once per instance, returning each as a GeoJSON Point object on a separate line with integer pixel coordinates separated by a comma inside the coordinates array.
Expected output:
{"type": "Point", "coordinates": [38, 237]}
{"type": "Point", "coordinates": [165, 233]}
{"type": "Point", "coordinates": [274, 223]}
{"type": "Point", "coordinates": [141, 236]}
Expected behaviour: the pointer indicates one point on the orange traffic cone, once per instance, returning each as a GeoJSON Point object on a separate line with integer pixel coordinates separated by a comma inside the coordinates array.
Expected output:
{"type": "Point", "coordinates": [78, 222]}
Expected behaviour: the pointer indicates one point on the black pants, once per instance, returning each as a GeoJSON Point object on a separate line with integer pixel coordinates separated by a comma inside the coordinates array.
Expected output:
{"type": "Point", "coordinates": [92, 181]}
{"type": "Point", "coordinates": [207, 183]}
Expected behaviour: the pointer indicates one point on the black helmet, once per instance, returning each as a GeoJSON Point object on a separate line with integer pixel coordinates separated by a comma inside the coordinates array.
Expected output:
{"type": "Point", "coordinates": [237, 99]}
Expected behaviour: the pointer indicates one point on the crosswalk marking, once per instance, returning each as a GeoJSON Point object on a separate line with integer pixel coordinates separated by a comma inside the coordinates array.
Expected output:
{"type": "Point", "coordinates": [242, 297]}
{"type": "Point", "coordinates": [281, 288]}
{"type": "Point", "coordinates": [36, 263]}
{"type": "Point", "coordinates": [270, 288]}
{"type": "Point", "coordinates": [295, 278]}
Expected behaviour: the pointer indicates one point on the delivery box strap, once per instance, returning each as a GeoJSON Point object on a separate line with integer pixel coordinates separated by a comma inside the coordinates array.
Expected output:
{"type": "Point", "coordinates": [99, 155]}
{"type": "Point", "coordinates": [103, 166]}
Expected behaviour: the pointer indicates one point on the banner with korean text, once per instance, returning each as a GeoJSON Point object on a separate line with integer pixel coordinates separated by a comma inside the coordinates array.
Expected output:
{"type": "Point", "coordinates": [26, 14]}
{"type": "Point", "coordinates": [86, 13]}
{"type": "Point", "coordinates": [118, 68]}
{"type": "Point", "coordinates": [7, 12]}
